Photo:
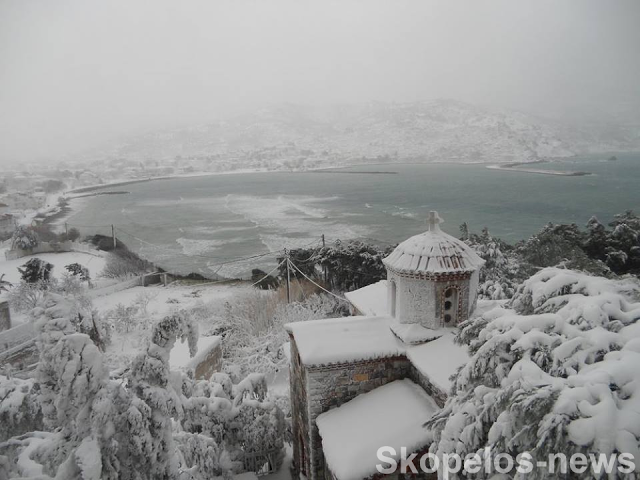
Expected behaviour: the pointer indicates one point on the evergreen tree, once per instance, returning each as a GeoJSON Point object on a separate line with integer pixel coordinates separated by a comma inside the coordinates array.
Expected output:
{"type": "Point", "coordinates": [549, 375]}
{"type": "Point", "coordinates": [36, 271]}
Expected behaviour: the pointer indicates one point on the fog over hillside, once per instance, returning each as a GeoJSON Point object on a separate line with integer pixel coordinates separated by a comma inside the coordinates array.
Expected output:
{"type": "Point", "coordinates": [428, 131]}
{"type": "Point", "coordinates": [81, 75]}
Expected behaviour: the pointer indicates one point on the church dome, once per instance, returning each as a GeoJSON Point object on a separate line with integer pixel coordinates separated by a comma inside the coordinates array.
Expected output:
{"type": "Point", "coordinates": [433, 252]}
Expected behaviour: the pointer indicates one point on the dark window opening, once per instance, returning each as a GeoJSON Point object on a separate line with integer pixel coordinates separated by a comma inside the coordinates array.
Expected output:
{"type": "Point", "coordinates": [447, 305]}
{"type": "Point", "coordinates": [447, 318]}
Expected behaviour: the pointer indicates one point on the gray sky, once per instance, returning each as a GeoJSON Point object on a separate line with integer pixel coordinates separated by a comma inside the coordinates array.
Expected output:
{"type": "Point", "coordinates": [74, 74]}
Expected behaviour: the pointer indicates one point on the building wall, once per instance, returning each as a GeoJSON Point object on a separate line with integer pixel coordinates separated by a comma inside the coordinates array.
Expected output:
{"type": "Point", "coordinates": [415, 300]}
{"type": "Point", "coordinates": [330, 387]}
{"type": "Point", "coordinates": [473, 292]}
{"type": "Point", "coordinates": [299, 411]}
{"type": "Point", "coordinates": [462, 285]}
{"type": "Point", "coordinates": [419, 300]}
{"type": "Point", "coordinates": [436, 393]}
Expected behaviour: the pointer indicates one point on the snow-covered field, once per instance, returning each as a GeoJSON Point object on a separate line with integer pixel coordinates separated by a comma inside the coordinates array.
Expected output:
{"type": "Point", "coordinates": [94, 262]}
{"type": "Point", "coordinates": [161, 300]}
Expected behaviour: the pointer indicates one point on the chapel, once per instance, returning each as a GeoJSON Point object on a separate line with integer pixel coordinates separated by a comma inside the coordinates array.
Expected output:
{"type": "Point", "coordinates": [373, 379]}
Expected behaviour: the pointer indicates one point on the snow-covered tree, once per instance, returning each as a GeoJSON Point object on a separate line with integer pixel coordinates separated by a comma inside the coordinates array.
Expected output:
{"type": "Point", "coordinates": [24, 238]}
{"type": "Point", "coordinates": [501, 272]}
{"type": "Point", "coordinates": [36, 271]}
{"type": "Point", "coordinates": [156, 400]}
{"type": "Point", "coordinates": [145, 423]}
{"type": "Point", "coordinates": [79, 271]}
{"type": "Point", "coordinates": [550, 375]}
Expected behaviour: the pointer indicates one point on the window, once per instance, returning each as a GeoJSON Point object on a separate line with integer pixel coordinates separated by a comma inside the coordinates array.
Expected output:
{"type": "Point", "coordinates": [392, 298]}
{"type": "Point", "coordinates": [450, 306]}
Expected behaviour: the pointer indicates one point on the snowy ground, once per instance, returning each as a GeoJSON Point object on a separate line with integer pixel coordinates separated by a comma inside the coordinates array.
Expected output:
{"type": "Point", "coordinates": [94, 262]}
{"type": "Point", "coordinates": [163, 300]}
{"type": "Point", "coordinates": [156, 302]}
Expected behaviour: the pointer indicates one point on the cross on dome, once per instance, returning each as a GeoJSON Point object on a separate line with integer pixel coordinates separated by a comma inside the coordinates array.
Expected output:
{"type": "Point", "coordinates": [434, 221]}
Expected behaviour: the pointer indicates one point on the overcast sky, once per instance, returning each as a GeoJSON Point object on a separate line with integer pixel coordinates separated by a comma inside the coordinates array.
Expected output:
{"type": "Point", "coordinates": [74, 74]}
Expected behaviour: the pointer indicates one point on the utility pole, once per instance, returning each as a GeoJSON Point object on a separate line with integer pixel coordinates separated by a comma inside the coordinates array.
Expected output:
{"type": "Point", "coordinates": [288, 277]}
{"type": "Point", "coordinates": [113, 235]}
{"type": "Point", "coordinates": [324, 267]}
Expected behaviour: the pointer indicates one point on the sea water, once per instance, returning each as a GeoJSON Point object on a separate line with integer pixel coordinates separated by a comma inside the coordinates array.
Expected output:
{"type": "Point", "coordinates": [198, 224]}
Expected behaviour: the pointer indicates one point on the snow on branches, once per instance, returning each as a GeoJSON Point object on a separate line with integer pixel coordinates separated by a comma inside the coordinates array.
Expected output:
{"type": "Point", "coordinates": [24, 238]}
{"type": "Point", "coordinates": [147, 423]}
{"type": "Point", "coordinates": [557, 373]}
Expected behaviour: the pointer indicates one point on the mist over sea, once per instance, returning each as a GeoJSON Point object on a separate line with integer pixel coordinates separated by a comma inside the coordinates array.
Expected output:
{"type": "Point", "coordinates": [195, 224]}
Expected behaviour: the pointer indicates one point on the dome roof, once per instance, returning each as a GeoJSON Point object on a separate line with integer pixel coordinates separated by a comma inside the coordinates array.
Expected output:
{"type": "Point", "coordinates": [433, 252]}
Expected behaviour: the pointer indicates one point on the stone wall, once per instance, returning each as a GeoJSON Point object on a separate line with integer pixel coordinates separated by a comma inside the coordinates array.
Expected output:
{"type": "Point", "coordinates": [330, 387]}
{"type": "Point", "coordinates": [210, 364]}
{"type": "Point", "coordinates": [5, 316]}
{"type": "Point", "coordinates": [421, 300]}
{"type": "Point", "coordinates": [434, 392]}
{"type": "Point", "coordinates": [299, 411]}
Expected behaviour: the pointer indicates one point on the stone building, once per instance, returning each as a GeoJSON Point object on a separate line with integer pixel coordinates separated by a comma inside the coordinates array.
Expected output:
{"type": "Point", "coordinates": [395, 359]}
{"type": "Point", "coordinates": [432, 278]}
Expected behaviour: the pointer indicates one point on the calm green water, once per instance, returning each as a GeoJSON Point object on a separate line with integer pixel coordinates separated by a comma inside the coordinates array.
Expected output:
{"type": "Point", "coordinates": [230, 216]}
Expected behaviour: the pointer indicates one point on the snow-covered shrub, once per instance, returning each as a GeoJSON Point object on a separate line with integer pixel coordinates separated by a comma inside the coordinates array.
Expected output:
{"type": "Point", "coordinates": [252, 326]}
{"type": "Point", "coordinates": [123, 263]}
{"type": "Point", "coordinates": [201, 458]}
{"type": "Point", "coordinates": [142, 301]}
{"type": "Point", "coordinates": [79, 271]}
{"type": "Point", "coordinates": [24, 238]}
{"type": "Point", "coordinates": [122, 318]}
{"type": "Point", "coordinates": [552, 376]}
{"type": "Point", "coordinates": [262, 422]}
{"type": "Point", "coordinates": [25, 296]}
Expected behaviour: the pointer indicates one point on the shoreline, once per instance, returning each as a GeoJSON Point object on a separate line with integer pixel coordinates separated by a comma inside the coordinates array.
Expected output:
{"type": "Point", "coordinates": [328, 169]}
{"type": "Point", "coordinates": [514, 167]}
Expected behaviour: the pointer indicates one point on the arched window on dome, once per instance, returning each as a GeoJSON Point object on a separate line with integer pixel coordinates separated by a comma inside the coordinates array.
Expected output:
{"type": "Point", "coordinates": [450, 306]}
{"type": "Point", "coordinates": [392, 298]}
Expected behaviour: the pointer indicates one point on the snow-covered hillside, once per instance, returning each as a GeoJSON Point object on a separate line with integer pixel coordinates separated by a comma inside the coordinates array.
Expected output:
{"type": "Point", "coordinates": [294, 136]}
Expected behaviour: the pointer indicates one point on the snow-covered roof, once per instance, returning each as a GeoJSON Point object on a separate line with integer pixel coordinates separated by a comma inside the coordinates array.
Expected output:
{"type": "Point", "coordinates": [370, 300]}
{"type": "Point", "coordinates": [180, 358]}
{"type": "Point", "coordinates": [439, 359]}
{"type": "Point", "coordinates": [414, 333]}
{"type": "Point", "coordinates": [433, 252]}
{"type": "Point", "coordinates": [347, 339]}
{"type": "Point", "coordinates": [391, 415]}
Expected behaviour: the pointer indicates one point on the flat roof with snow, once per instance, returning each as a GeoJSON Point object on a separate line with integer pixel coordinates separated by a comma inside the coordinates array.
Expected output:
{"type": "Point", "coordinates": [439, 359]}
{"type": "Point", "coordinates": [370, 300]}
{"type": "Point", "coordinates": [391, 415]}
{"type": "Point", "coordinates": [347, 339]}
